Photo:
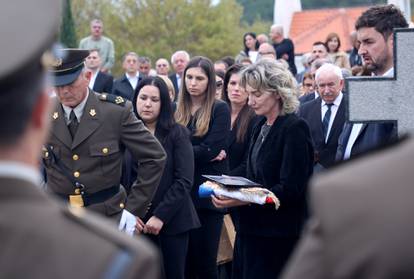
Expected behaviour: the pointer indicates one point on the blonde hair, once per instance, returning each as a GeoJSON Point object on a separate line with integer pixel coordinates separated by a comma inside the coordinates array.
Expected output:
{"type": "Point", "coordinates": [169, 84]}
{"type": "Point", "coordinates": [274, 77]}
{"type": "Point", "coordinates": [202, 117]}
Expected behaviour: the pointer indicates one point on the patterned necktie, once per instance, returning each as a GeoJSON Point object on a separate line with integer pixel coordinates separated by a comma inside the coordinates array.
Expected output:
{"type": "Point", "coordinates": [73, 124]}
{"type": "Point", "coordinates": [325, 121]}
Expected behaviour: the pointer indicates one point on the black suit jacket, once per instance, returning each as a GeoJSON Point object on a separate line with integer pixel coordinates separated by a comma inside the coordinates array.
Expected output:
{"type": "Point", "coordinates": [207, 147]}
{"type": "Point", "coordinates": [324, 152]}
{"type": "Point", "coordinates": [123, 88]}
{"type": "Point", "coordinates": [284, 165]}
{"type": "Point", "coordinates": [307, 98]}
{"type": "Point", "coordinates": [173, 79]}
{"type": "Point", "coordinates": [371, 136]}
{"type": "Point", "coordinates": [103, 83]}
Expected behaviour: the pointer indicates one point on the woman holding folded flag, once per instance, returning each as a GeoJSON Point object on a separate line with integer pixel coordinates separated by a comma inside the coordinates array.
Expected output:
{"type": "Point", "coordinates": [280, 159]}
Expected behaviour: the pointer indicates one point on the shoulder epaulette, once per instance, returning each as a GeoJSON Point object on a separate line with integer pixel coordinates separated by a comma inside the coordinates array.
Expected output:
{"type": "Point", "coordinates": [112, 98]}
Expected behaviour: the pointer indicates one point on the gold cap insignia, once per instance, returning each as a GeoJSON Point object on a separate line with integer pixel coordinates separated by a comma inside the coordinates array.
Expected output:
{"type": "Point", "coordinates": [119, 100]}
{"type": "Point", "coordinates": [92, 112]}
{"type": "Point", "coordinates": [55, 115]}
{"type": "Point", "coordinates": [57, 62]}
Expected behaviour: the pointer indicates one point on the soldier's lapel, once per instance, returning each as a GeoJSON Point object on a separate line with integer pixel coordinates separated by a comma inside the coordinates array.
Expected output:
{"type": "Point", "coordinates": [59, 128]}
{"type": "Point", "coordinates": [89, 121]}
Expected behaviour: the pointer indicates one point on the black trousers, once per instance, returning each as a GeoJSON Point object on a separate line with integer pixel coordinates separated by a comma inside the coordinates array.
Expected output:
{"type": "Point", "coordinates": [261, 257]}
{"type": "Point", "coordinates": [203, 246]}
{"type": "Point", "coordinates": [174, 252]}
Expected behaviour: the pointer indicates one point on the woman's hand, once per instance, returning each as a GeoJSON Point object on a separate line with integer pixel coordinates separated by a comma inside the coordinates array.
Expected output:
{"type": "Point", "coordinates": [223, 202]}
{"type": "Point", "coordinates": [139, 225]}
{"type": "Point", "coordinates": [153, 225]}
{"type": "Point", "coordinates": [221, 156]}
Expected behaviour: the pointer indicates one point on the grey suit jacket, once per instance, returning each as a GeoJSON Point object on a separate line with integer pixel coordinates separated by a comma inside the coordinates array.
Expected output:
{"type": "Point", "coordinates": [361, 223]}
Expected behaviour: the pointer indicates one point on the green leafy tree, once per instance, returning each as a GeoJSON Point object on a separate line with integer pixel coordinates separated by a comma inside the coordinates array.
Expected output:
{"type": "Point", "coordinates": [67, 35]}
{"type": "Point", "coordinates": [157, 28]}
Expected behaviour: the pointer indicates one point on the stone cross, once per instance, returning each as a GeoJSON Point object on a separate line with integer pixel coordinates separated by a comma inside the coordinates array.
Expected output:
{"type": "Point", "coordinates": [379, 99]}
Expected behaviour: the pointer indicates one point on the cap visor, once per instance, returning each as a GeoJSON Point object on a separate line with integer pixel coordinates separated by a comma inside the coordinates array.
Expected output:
{"type": "Point", "coordinates": [62, 80]}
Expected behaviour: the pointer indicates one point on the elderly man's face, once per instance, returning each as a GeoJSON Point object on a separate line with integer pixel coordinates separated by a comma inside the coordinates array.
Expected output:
{"type": "Point", "coordinates": [267, 51]}
{"type": "Point", "coordinates": [329, 85]}
{"type": "Point", "coordinates": [73, 94]}
{"type": "Point", "coordinates": [180, 62]}
{"type": "Point", "coordinates": [162, 67]}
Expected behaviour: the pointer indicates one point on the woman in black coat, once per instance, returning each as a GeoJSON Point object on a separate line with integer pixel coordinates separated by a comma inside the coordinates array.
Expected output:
{"type": "Point", "coordinates": [280, 158]}
{"type": "Point", "coordinates": [209, 122]}
{"type": "Point", "coordinates": [243, 119]}
{"type": "Point", "coordinates": [171, 214]}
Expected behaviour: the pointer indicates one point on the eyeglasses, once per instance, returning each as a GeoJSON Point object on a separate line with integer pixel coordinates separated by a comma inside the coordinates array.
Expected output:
{"type": "Point", "coordinates": [219, 83]}
{"type": "Point", "coordinates": [162, 65]}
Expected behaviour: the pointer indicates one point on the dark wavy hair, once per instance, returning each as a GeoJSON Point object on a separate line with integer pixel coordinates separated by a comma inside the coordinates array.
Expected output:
{"type": "Point", "coordinates": [165, 119]}
{"type": "Point", "coordinates": [384, 18]}
{"type": "Point", "coordinates": [246, 113]}
{"type": "Point", "coordinates": [251, 34]}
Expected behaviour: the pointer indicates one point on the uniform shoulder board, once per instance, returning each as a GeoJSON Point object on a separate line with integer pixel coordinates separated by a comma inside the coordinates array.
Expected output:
{"type": "Point", "coordinates": [112, 98]}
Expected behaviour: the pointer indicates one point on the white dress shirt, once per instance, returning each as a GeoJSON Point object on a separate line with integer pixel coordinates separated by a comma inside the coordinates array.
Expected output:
{"type": "Point", "coordinates": [334, 110]}
{"type": "Point", "coordinates": [133, 80]}
{"type": "Point", "coordinates": [78, 110]}
{"type": "Point", "coordinates": [93, 79]}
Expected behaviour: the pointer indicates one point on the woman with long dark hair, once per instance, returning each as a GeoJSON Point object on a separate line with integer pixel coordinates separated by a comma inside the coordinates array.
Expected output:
{"type": "Point", "coordinates": [171, 214]}
{"type": "Point", "coordinates": [251, 46]}
{"type": "Point", "coordinates": [209, 122]}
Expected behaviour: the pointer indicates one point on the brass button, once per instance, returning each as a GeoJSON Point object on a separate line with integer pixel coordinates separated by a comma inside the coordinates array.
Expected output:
{"type": "Point", "coordinates": [76, 174]}
{"type": "Point", "coordinates": [122, 205]}
{"type": "Point", "coordinates": [75, 157]}
{"type": "Point", "coordinates": [105, 150]}
{"type": "Point", "coordinates": [46, 154]}
{"type": "Point", "coordinates": [77, 191]}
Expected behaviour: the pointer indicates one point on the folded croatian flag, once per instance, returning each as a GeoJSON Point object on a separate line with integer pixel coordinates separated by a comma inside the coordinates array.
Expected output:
{"type": "Point", "coordinates": [254, 194]}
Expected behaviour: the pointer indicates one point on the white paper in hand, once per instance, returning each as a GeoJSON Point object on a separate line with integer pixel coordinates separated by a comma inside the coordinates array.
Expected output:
{"type": "Point", "coordinates": [127, 222]}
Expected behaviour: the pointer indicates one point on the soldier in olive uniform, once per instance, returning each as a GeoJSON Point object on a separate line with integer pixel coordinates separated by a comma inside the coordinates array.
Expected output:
{"type": "Point", "coordinates": [90, 131]}
{"type": "Point", "coordinates": [39, 237]}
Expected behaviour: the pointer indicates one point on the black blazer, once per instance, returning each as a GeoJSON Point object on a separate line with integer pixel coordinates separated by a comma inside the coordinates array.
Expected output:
{"type": "Point", "coordinates": [307, 98]}
{"type": "Point", "coordinates": [284, 165]}
{"type": "Point", "coordinates": [103, 83]}
{"type": "Point", "coordinates": [207, 147]}
{"type": "Point", "coordinates": [172, 202]}
{"type": "Point", "coordinates": [324, 152]}
{"type": "Point", "coordinates": [238, 151]}
{"type": "Point", "coordinates": [371, 136]}
{"type": "Point", "coordinates": [123, 88]}
{"type": "Point", "coordinates": [173, 79]}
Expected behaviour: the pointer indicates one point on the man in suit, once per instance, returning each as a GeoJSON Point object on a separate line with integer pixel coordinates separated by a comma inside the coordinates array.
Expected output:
{"type": "Point", "coordinates": [319, 56]}
{"type": "Point", "coordinates": [326, 115]}
{"type": "Point", "coordinates": [90, 132]}
{"type": "Point", "coordinates": [375, 36]}
{"type": "Point", "coordinates": [40, 237]}
{"type": "Point", "coordinates": [126, 85]}
{"type": "Point", "coordinates": [162, 67]}
{"type": "Point", "coordinates": [179, 61]}
{"type": "Point", "coordinates": [100, 81]}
